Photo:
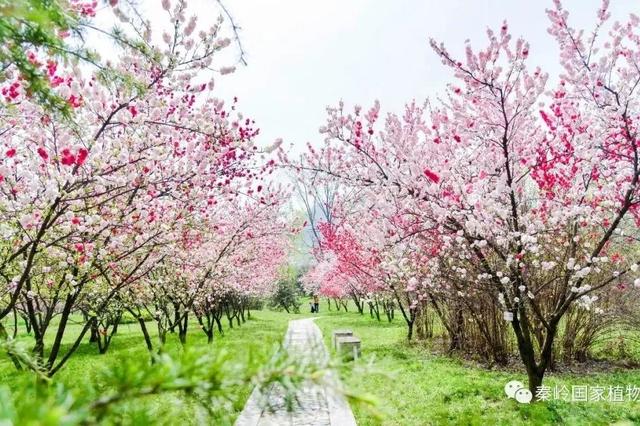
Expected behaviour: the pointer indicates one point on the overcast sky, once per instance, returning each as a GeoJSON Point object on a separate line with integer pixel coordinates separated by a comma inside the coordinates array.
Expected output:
{"type": "Point", "coordinates": [304, 55]}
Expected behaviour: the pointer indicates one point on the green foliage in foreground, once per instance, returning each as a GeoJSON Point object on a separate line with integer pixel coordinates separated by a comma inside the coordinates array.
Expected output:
{"type": "Point", "coordinates": [197, 384]}
{"type": "Point", "coordinates": [417, 387]}
{"type": "Point", "coordinates": [202, 376]}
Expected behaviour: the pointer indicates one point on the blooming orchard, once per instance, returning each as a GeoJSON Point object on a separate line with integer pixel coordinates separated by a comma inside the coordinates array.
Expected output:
{"type": "Point", "coordinates": [507, 204]}
{"type": "Point", "coordinates": [152, 194]}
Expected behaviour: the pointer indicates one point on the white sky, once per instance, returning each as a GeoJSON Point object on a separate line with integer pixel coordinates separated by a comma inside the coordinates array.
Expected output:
{"type": "Point", "coordinates": [304, 55]}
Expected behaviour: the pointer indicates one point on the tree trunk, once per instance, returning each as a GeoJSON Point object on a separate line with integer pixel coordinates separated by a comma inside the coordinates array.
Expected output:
{"type": "Point", "coordinates": [457, 328]}
{"type": "Point", "coordinates": [182, 328]}
{"type": "Point", "coordinates": [27, 323]}
{"type": "Point", "coordinates": [358, 302]}
{"type": "Point", "coordinates": [162, 335]}
{"type": "Point", "coordinates": [93, 334]}
{"type": "Point", "coordinates": [64, 318]}
{"type": "Point", "coordinates": [38, 331]}
{"type": "Point", "coordinates": [410, 330]}
{"type": "Point", "coordinates": [535, 371]}
{"type": "Point", "coordinates": [219, 324]}
{"type": "Point", "coordinates": [70, 352]}
{"type": "Point", "coordinates": [535, 380]}
{"type": "Point", "coordinates": [15, 322]}
{"type": "Point", "coordinates": [145, 333]}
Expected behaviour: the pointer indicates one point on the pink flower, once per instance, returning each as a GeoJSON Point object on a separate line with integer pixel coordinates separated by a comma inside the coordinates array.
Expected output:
{"type": "Point", "coordinates": [75, 101]}
{"type": "Point", "coordinates": [43, 154]}
{"type": "Point", "coordinates": [82, 156]}
{"type": "Point", "coordinates": [51, 68]}
{"type": "Point", "coordinates": [68, 159]}
{"type": "Point", "coordinates": [431, 176]}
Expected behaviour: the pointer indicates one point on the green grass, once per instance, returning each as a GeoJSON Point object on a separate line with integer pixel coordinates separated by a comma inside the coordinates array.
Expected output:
{"type": "Point", "coordinates": [252, 344]}
{"type": "Point", "coordinates": [416, 387]}
{"type": "Point", "coordinates": [413, 385]}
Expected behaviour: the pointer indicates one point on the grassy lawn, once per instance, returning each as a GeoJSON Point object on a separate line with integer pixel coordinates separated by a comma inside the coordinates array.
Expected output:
{"type": "Point", "coordinates": [413, 386]}
{"type": "Point", "coordinates": [254, 341]}
{"type": "Point", "coordinates": [420, 388]}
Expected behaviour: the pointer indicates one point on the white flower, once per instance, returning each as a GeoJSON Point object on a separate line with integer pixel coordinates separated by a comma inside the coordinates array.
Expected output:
{"type": "Point", "coordinates": [412, 284]}
{"type": "Point", "coordinates": [227, 70]}
{"type": "Point", "coordinates": [25, 220]}
{"type": "Point", "coordinates": [223, 42]}
{"type": "Point", "coordinates": [191, 26]}
{"type": "Point", "coordinates": [274, 146]}
{"type": "Point", "coordinates": [501, 299]}
{"type": "Point", "coordinates": [583, 272]}
{"type": "Point", "coordinates": [548, 265]}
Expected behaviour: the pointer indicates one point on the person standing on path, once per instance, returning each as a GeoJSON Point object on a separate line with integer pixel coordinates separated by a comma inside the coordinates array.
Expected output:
{"type": "Point", "coordinates": [316, 303]}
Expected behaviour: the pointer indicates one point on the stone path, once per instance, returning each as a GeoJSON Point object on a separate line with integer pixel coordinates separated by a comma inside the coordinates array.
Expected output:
{"type": "Point", "coordinates": [319, 406]}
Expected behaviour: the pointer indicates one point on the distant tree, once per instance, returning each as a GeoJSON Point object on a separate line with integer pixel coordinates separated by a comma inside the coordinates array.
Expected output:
{"type": "Point", "coordinates": [287, 293]}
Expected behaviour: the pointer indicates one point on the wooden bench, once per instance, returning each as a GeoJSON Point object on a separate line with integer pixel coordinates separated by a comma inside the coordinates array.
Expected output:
{"type": "Point", "coordinates": [340, 333]}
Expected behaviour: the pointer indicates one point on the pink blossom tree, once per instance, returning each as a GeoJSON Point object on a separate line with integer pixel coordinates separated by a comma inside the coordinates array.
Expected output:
{"type": "Point", "coordinates": [93, 205]}
{"type": "Point", "coordinates": [517, 191]}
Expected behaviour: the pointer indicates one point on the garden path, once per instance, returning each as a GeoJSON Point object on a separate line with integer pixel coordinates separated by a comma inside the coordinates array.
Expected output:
{"type": "Point", "coordinates": [319, 405]}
